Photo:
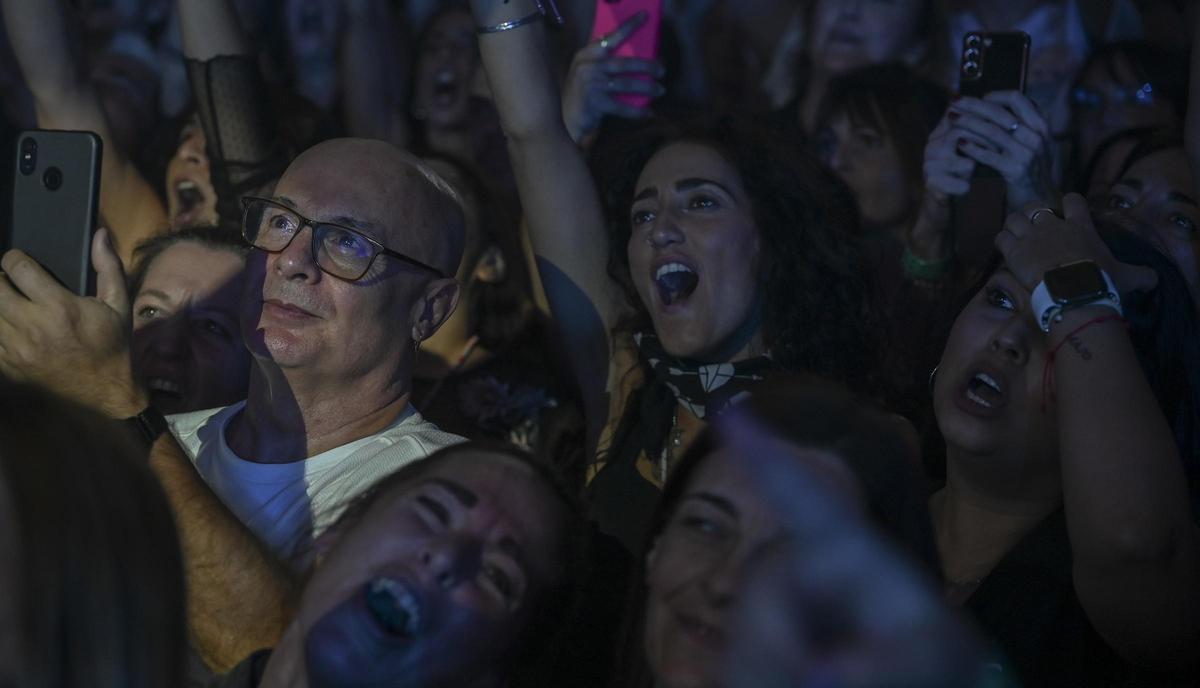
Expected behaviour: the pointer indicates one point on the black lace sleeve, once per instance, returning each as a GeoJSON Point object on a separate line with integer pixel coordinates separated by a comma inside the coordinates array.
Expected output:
{"type": "Point", "coordinates": [244, 150]}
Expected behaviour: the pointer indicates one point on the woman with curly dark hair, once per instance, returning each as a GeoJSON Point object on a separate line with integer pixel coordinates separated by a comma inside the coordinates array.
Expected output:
{"type": "Point", "coordinates": [730, 255]}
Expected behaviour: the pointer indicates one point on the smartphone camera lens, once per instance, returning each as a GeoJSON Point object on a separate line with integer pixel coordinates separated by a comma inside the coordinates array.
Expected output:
{"type": "Point", "coordinates": [28, 162]}
{"type": "Point", "coordinates": [972, 55]}
{"type": "Point", "coordinates": [970, 70]}
{"type": "Point", "coordinates": [53, 178]}
{"type": "Point", "coordinates": [973, 40]}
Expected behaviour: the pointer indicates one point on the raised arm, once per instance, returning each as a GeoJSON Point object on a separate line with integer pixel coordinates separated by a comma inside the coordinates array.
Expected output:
{"type": "Point", "coordinates": [562, 208]}
{"type": "Point", "coordinates": [1135, 548]}
{"type": "Point", "coordinates": [64, 99]}
{"type": "Point", "coordinates": [373, 72]}
{"type": "Point", "coordinates": [240, 599]}
{"type": "Point", "coordinates": [231, 100]}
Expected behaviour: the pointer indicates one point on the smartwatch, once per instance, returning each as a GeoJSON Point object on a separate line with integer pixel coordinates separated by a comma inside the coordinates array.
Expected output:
{"type": "Point", "coordinates": [1071, 286]}
{"type": "Point", "coordinates": [148, 425]}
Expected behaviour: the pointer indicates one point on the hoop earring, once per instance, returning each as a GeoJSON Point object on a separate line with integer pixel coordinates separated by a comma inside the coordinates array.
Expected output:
{"type": "Point", "coordinates": [932, 378]}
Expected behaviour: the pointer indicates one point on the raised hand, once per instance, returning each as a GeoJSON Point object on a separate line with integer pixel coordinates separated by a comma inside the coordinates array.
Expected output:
{"type": "Point", "coordinates": [75, 346]}
{"type": "Point", "coordinates": [1035, 240]}
{"type": "Point", "coordinates": [596, 79]}
{"type": "Point", "coordinates": [1011, 137]}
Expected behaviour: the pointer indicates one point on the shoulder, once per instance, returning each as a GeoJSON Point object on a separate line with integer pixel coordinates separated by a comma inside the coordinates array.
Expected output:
{"type": "Point", "coordinates": [196, 428]}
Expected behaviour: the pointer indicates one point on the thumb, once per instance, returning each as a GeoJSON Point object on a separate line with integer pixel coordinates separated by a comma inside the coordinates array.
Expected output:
{"type": "Point", "coordinates": [110, 273]}
{"type": "Point", "coordinates": [1075, 209]}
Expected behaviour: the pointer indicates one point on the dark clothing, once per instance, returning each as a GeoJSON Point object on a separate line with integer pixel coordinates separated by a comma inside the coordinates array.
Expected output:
{"type": "Point", "coordinates": [247, 674]}
{"type": "Point", "coordinates": [1029, 607]}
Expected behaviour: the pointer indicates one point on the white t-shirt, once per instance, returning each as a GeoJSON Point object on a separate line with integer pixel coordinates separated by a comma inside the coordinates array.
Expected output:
{"type": "Point", "coordinates": [284, 504]}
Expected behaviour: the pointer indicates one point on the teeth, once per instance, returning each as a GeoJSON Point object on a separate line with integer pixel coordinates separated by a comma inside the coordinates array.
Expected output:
{"type": "Point", "coordinates": [989, 381]}
{"type": "Point", "coordinates": [160, 385]}
{"type": "Point", "coordinates": [445, 78]}
{"type": "Point", "coordinates": [978, 399]}
{"type": "Point", "coordinates": [186, 185]}
{"type": "Point", "coordinates": [670, 268]}
{"type": "Point", "coordinates": [404, 600]}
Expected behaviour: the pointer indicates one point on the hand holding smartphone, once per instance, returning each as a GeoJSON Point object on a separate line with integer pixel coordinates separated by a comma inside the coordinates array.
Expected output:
{"type": "Point", "coordinates": [609, 25]}
{"type": "Point", "coordinates": [55, 202]}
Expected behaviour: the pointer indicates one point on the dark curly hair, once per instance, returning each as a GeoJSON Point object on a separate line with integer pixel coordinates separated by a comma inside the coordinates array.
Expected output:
{"type": "Point", "coordinates": [814, 285]}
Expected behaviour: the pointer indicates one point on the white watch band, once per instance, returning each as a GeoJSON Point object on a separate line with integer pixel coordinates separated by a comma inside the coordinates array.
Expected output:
{"type": "Point", "coordinates": [1048, 311]}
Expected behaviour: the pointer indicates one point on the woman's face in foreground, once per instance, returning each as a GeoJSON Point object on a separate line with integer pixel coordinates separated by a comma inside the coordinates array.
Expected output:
{"type": "Point", "coordinates": [436, 582]}
{"type": "Point", "coordinates": [694, 252]}
{"type": "Point", "coordinates": [694, 571]}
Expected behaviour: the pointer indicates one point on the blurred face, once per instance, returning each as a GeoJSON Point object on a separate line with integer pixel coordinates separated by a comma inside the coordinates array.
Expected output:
{"type": "Point", "coordinates": [191, 199]}
{"type": "Point", "coordinates": [340, 331]}
{"type": "Point", "coordinates": [446, 69]}
{"type": "Point", "coordinates": [437, 581]}
{"type": "Point", "coordinates": [187, 347]}
{"type": "Point", "coordinates": [111, 16]}
{"type": "Point", "coordinates": [694, 252]}
{"type": "Point", "coordinates": [694, 573]}
{"type": "Point", "coordinates": [867, 161]}
{"type": "Point", "coordinates": [1158, 191]}
{"type": "Point", "coordinates": [1106, 103]}
{"type": "Point", "coordinates": [854, 33]}
{"type": "Point", "coordinates": [988, 389]}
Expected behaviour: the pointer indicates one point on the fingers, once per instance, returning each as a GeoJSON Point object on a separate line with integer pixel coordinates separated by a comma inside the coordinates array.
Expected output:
{"type": "Point", "coordinates": [631, 65]}
{"type": "Point", "coordinates": [110, 273]}
{"type": "Point", "coordinates": [31, 279]}
{"type": "Point", "coordinates": [1024, 109]}
{"type": "Point", "coordinates": [613, 40]}
{"type": "Point", "coordinates": [996, 136]}
{"type": "Point", "coordinates": [633, 85]}
{"type": "Point", "coordinates": [1075, 209]}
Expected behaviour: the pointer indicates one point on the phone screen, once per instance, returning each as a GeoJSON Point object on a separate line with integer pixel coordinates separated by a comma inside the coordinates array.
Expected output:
{"type": "Point", "coordinates": [611, 14]}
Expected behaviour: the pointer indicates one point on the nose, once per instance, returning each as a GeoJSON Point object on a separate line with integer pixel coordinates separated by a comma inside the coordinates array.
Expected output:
{"type": "Point", "coordinates": [449, 559]}
{"type": "Point", "coordinates": [167, 338]}
{"type": "Point", "coordinates": [295, 261]}
{"type": "Point", "coordinates": [721, 582]}
{"type": "Point", "coordinates": [665, 231]}
{"type": "Point", "coordinates": [839, 161]}
{"type": "Point", "coordinates": [1012, 341]}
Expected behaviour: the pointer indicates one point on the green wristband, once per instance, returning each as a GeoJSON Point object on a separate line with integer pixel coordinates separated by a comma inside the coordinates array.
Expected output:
{"type": "Point", "coordinates": [930, 271]}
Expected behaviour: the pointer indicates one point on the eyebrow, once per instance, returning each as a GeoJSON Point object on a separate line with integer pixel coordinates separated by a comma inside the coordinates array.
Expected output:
{"type": "Point", "coordinates": [685, 185]}
{"type": "Point", "coordinates": [716, 501]}
{"type": "Point", "coordinates": [1135, 184]}
{"type": "Point", "coordinates": [352, 222]}
{"type": "Point", "coordinates": [1181, 198]}
{"type": "Point", "coordinates": [464, 496]}
{"type": "Point", "coordinates": [158, 294]}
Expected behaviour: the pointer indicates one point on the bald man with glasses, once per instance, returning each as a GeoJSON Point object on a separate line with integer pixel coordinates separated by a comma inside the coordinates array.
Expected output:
{"type": "Point", "coordinates": [353, 267]}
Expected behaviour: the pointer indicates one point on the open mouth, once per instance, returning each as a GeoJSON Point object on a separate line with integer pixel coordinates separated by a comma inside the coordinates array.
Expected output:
{"type": "Point", "coordinates": [165, 395]}
{"type": "Point", "coordinates": [188, 195]}
{"type": "Point", "coordinates": [985, 390]}
{"type": "Point", "coordinates": [700, 631]}
{"type": "Point", "coordinates": [675, 282]}
{"type": "Point", "coordinates": [445, 87]}
{"type": "Point", "coordinates": [394, 606]}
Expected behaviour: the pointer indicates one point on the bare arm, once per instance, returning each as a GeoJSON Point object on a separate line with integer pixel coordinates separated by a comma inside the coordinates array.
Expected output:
{"type": "Point", "coordinates": [566, 221]}
{"type": "Point", "coordinates": [1134, 545]}
{"type": "Point", "coordinates": [64, 99]}
{"type": "Point", "coordinates": [1135, 549]}
{"type": "Point", "coordinates": [371, 59]}
{"type": "Point", "coordinates": [240, 599]}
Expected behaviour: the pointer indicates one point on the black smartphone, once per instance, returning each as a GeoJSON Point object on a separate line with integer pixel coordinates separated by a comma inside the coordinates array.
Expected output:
{"type": "Point", "coordinates": [55, 202]}
{"type": "Point", "coordinates": [993, 62]}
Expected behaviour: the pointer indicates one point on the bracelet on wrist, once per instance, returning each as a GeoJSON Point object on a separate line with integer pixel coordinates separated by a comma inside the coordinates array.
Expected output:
{"type": "Point", "coordinates": [1052, 354]}
{"type": "Point", "coordinates": [927, 270]}
{"type": "Point", "coordinates": [545, 8]}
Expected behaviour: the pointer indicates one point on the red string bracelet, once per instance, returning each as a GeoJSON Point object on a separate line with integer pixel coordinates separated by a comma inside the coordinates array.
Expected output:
{"type": "Point", "coordinates": [1048, 370]}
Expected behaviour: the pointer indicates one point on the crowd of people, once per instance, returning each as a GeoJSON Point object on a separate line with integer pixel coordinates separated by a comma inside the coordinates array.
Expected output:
{"type": "Point", "coordinates": [444, 343]}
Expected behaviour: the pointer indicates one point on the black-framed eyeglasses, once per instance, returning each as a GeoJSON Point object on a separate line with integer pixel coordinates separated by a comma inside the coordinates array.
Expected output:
{"type": "Point", "coordinates": [336, 249]}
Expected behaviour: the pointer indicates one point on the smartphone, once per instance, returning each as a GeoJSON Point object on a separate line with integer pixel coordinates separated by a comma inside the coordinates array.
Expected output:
{"type": "Point", "coordinates": [55, 201]}
{"type": "Point", "coordinates": [611, 14]}
{"type": "Point", "coordinates": [993, 62]}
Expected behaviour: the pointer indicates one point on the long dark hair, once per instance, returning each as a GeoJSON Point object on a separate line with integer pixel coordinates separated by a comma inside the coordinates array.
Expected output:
{"type": "Point", "coordinates": [99, 591]}
{"type": "Point", "coordinates": [816, 315]}
{"type": "Point", "coordinates": [811, 413]}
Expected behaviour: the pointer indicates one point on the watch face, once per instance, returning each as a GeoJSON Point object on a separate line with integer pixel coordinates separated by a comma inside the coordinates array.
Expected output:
{"type": "Point", "coordinates": [1076, 282]}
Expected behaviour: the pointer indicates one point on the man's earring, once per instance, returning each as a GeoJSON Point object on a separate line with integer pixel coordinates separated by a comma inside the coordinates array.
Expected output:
{"type": "Point", "coordinates": [932, 378]}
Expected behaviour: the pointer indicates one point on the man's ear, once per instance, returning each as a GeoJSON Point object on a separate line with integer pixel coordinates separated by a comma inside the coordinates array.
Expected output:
{"type": "Point", "coordinates": [434, 307]}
